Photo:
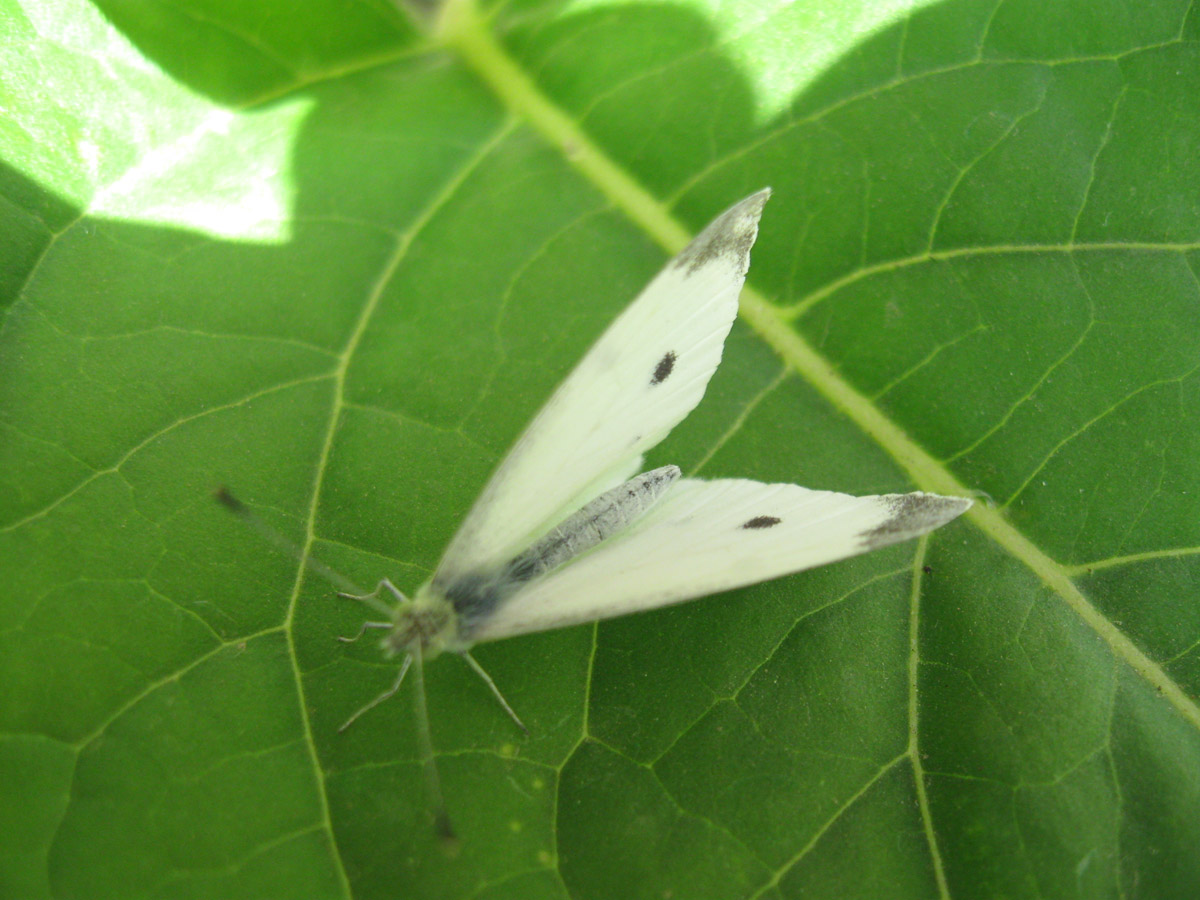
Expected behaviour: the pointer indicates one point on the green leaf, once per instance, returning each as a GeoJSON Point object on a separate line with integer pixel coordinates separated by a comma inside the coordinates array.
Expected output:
{"type": "Point", "coordinates": [335, 255]}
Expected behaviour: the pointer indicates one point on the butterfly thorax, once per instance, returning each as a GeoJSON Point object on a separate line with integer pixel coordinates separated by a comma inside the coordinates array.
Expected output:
{"type": "Point", "coordinates": [428, 620]}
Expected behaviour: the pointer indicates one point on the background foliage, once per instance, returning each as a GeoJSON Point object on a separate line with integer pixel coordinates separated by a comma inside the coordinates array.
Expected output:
{"type": "Point", "coordinates": [335, 255]}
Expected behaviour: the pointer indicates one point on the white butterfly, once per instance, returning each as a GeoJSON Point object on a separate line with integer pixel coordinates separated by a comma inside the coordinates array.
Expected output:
{"type": "Point", "coordinates": [567, 531]}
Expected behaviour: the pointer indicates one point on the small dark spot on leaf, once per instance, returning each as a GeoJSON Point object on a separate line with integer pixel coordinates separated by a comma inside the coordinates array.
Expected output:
{"type": "Point", "coordinates": [664, 367]}
{"type": "Point", "coordinates": [762, 522]}
{"type": "Point", "coordinates": [230, 502]}
{"type": "Point", "coordinates": [928, 570]}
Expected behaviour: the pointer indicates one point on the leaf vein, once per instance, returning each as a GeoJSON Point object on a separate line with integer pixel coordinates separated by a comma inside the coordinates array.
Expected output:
{"type": "Point", "coordinates": [438, 199]}
{"type": "Point", "coordinates": [914, 749]}
{"type": "Point", "coordinates": [115, 467]}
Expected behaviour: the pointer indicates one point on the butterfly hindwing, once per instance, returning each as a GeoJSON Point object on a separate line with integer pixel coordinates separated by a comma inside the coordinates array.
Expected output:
{"type": "Point", "coordinates": [709, 536]}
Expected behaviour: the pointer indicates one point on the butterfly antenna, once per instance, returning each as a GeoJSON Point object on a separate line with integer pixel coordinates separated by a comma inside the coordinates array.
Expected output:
{"type": "Point", "coordinates": [291, 548]}
{"type": "Point", "coordinates": [445, 830]}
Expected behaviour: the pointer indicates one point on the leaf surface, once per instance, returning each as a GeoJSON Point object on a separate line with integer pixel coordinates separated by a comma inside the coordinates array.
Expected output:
{"type": "Point", "coordinates": [335, 256]}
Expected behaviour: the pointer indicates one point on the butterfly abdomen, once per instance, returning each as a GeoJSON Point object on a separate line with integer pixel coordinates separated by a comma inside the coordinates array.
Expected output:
{"type": "Point", "coordinates": [475, 596]}
{"type": "Point", "coordinates": [612, 511]}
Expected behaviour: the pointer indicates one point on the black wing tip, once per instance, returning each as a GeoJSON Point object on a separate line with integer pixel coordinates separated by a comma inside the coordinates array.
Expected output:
{"type": "Point", "coordinates": [748, 210]}
{"type": "Point", "coordinates": [728, 237]}
{"type": "Point", "coordinates": [912, 515]}
{"type": "Point", "coordinates": [755, 202]}
{"type": "Point", "coordinates": [744, 215]}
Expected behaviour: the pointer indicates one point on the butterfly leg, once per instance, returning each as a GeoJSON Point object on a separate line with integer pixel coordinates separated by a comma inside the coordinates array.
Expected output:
{"type": "Point", "coordinates": [372, 599]}
{"type": "Point", "coordinates": [495, 690]}
{"type": "Point", "coordinates": [363, 630]}
{"type": "Point", "coordinates": [385, 695]}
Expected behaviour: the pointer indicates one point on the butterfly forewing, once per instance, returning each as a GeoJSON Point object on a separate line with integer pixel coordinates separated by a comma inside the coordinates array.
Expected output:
{"type": "Point", "coordinates": [642, 377]}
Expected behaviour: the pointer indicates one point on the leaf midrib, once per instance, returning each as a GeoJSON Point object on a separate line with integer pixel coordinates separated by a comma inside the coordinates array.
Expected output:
{"type": "Point", "coordinates": [465, 33]}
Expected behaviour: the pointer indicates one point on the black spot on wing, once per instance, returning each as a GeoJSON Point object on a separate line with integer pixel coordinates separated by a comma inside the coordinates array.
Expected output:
{"type": "Point", "coordinates": [664, 368]}
{"type": "Point", "coordinates": [762, 522]}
